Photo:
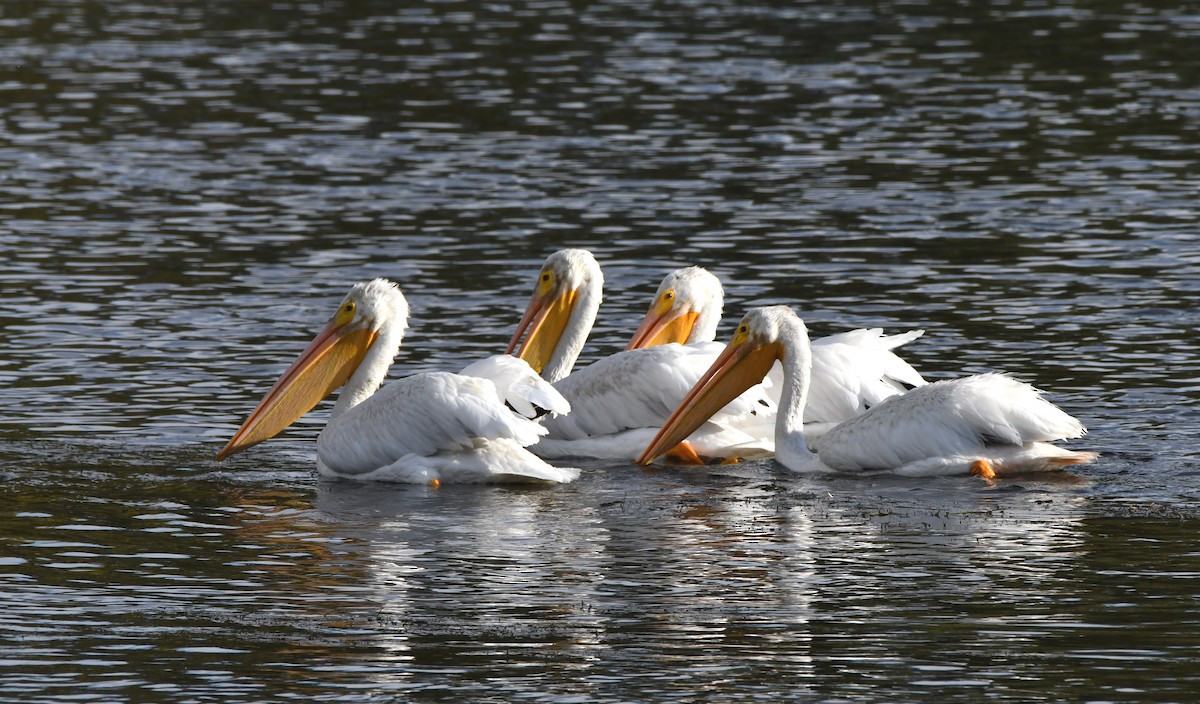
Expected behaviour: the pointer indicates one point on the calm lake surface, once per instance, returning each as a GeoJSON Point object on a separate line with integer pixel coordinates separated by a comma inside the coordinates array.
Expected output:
{"type": "Point", "coordinates": [189, 188]}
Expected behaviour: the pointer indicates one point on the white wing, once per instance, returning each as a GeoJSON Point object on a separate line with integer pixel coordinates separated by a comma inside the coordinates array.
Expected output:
{"type": "Point", "coordinates": [519, 385]}
{"type": "Point", "coordinates": [615, 400]}
{"type": "Point", "coordinates": [449, 420]}
{"type": "Point", "coordinates": [854, 371]}
{"type": "Point", "coordinates": [946, 419]}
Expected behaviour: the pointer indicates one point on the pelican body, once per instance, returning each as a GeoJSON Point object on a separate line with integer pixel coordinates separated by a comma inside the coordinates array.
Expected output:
{"type": "Point", "coordinates": [986, 423]}
{"type": "Point", "coordinates": [429, 427]}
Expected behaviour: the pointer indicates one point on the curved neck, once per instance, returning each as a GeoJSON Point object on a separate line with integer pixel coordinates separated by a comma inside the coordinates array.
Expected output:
{"type": "Point", "coordinates": [705, 329]}
{"type": "Point", "coordinates": [791, 449]}
{"type": "Point", "coordinates": [373, 369]}
{"type": "Point", "coordinates": [579, 325]}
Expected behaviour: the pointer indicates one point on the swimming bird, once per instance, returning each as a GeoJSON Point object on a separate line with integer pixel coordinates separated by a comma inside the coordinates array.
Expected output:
{"type": "Point", "coordinates": [852, 371]}
{"type": "Point", "coordinates": [686, 309]}
{"type": "Point", "coordinates": [560, 313]}
{"type": "Point", "coordinates": [988, 424]}
{"type": "Point", "coordinates": [428, 427]}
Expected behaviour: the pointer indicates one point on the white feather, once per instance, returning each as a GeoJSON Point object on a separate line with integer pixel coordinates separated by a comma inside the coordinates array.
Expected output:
{"type": "Point", "coordinates": [855, 370]}
{"type": "Point", "coordinates": [519, 385]}
{"type": "Point", "coordinates": [437, 416]}
{"type": "Point", "coordinates": [947, 419]}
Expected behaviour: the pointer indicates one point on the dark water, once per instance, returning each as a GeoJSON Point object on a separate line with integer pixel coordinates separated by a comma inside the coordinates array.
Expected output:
{"type": "Point", "coordinates": [188, 188]}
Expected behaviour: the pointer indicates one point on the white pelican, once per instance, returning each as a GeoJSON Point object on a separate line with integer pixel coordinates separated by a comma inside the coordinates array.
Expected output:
{"type": "Point", "coordinates": [429, 427]}
{"type": "Point", "coordinates": [984, 424]}
{"type": "Point", "coordinates": [561, 312]}
{"type": "Point", "coordinates": [686, 309]}
{"type": "Point", "coordinates": [852, 371]}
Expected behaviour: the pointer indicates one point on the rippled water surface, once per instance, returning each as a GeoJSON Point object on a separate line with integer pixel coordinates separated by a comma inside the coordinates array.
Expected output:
{"type": "Point", "coordinates": [190, 187]}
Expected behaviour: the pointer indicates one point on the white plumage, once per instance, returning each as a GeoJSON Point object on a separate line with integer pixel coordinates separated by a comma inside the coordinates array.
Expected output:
{"type": "Point", "coordinates": [426, 427]}
{"type": "Point", "coordinates": [560, 313]}
{"type": "Point", "coordinates": [521, 388]}
{"type": "Point", "coordinates": [854, 371]}
{"type": "Point", "coordinates": [987, 423]}
{"type": "Point", "coordinates": [620, 401]}
{"type": "Point", "coordinates": [945, 427]}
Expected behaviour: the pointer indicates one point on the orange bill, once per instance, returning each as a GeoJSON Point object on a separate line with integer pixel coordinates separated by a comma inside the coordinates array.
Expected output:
{"type": "Point", "coordinates": [663, 327]}
{"type": "Point", "coordinates": [741, 365]}
{"type": "Point", "coordinates": [546, 319]}
{"type": "Point", "coordinates": [323, 366]}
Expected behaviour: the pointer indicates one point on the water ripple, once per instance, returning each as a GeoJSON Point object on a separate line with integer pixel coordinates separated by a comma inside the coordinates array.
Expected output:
{"type": "Point", "coordinates": [191, 188]}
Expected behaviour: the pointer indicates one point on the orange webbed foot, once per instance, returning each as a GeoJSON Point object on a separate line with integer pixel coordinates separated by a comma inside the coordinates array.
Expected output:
{"type": "Point", "coordinates": [983, 469]}
{"type": "Point", "coordinates": [683, 453]}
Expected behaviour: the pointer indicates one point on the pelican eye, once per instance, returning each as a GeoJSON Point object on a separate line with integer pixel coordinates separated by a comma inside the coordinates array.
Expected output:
{"type": "Point", "coordinates": [743, 329]}
{"type": "Point", "coordinates": [346, 313]}
{"type": "Point", "coordinates": [546, 282]}
{"type": "Point", "coordinates": [664, 302]}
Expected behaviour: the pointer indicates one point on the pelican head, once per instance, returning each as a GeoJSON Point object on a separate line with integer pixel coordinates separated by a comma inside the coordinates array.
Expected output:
{"type": "Point", "coordinates": [686, 309]}
{"type": "Point", "coordinates": [756, 345]}
{"type": "Point", "coordinates": [560, 312]}
{"type": "Point", "coordinates": [372, 309]}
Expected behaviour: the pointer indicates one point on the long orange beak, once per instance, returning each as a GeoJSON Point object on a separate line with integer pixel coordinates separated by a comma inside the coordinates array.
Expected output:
{"type": "Point", "coordinates": [662, 325]}
{"type": "Point", "coordinates": [741, 365]}
{"type": "Point", "coordinates": [546, 319]}
{"type": "Point", "coordinates": [323, 366]}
